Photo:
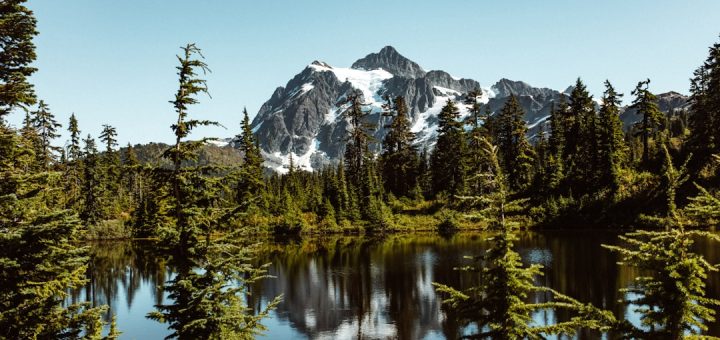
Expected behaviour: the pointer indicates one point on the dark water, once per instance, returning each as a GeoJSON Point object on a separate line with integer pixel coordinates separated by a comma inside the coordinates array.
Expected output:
{"type": "Point", "coordinates": [353, 287]}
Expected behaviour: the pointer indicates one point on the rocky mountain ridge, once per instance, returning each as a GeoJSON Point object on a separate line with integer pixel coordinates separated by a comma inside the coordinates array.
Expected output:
{"type": "Point", "coordinates": [305, 118]}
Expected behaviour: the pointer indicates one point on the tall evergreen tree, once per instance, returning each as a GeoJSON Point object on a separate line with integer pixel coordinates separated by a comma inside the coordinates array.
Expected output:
{"type": "Point", "coordinates": [517, 155]}
{"type": "Point", "coordinates": [44, 123]}
{"type": "Point", "coordinates": [74, 165]}
{"type": "Point", "coordinates": [646, 105]}
{"type": "Point", "coordinates": [477, 120]}
{"type": "Point", "coordinates": [581, 151]}
{"type": "Point", "coordinates": [399, 158]}
{"type": "Point", "coordinates": [704, 120]}
{"type": "Point", "coordinates": [17, 52]}
{"type": "Point", "coordinates": [73, 148]}
{"type": "Point", "coordinates": [251, 182]}
{"type": "Point", "coordinates": [611, 144]}
{"type": "Point", "coordinates": [205, 304]}
{"type": "Point", "coordinates": [670, 295]}
{"type": "Point", "coordinates": [447, 164]}
{"type": "Point", "coordinates": [92, 209]}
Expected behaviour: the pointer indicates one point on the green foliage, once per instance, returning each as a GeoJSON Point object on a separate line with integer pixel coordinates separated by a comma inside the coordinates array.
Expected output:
{"type": "Point", "coordinates": [704, 209]}
{"type": "Point", "coordinates": [399, 157]}
{"type": "Point", "coordinates": [212, 276]}
{"type": "Point", "coordinates": [17, 52]}
{"type": "Point", "coordinates": [498, 306]}
{"type": "Point", "coordinates": [646, 105]}
{"type": "Point", "coordinates": [517, 155]}
{"type": "Point", "coordinates": [250, 184]}
{"type": "Point", "coordinates": [671, 296]}
{"type": "Point", "coordinates": [612, 147]}
{"type": "Point", "coordinates": [447, 163]}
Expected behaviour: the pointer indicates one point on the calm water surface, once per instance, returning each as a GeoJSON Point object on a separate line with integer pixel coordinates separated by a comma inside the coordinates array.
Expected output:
{"type": "Point", "coordinates": [354, 287]}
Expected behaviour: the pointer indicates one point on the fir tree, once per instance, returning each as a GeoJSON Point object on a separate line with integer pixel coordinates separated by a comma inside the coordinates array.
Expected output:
{"type": "Point", "coordinates": [671, 297]}
{"type": "Point", "coordinates": [73, 147]}
{"type": "Point", "coordinates": [611, 145]}
{"type": "Point", "coordinates": [17, 52]}
{"type": "Point", "coordinates": [250, 183]}
{"type": "Point", "coordinates": [478, 130]}
{"type": "Point", "coordinates": [646, 105]}
{"type": "Point", "coordinates": [204, 303]}
{"type": "Point", "coordinates": [43, 121]}
{"type": "Point", "coordinates": [581, 138]}
{"type": "Point", "coordinates": [517, 155]}
{"type": "Point", "coordinates": [92, 209]}
{"type": "Point", "coordinates": [399, 157]}
{"type": "Point", "coordinates": [704, 120]}
{"type": "Point", "coordinates": [447, 164]}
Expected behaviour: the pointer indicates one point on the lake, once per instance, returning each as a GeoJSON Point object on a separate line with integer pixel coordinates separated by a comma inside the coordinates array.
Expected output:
{"type": "Point", "coordinates": [342, 287]}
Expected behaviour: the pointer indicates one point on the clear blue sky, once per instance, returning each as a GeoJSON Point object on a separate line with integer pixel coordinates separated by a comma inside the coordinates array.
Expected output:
{"type": "Point", "coordinates": [112, 62]}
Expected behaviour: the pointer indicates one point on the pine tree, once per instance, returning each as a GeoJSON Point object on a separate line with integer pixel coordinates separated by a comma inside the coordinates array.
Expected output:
{"type": "Point", "coordinates": [516, 153]}
{"type": "Point", "coordinates": [581, 138]}
{"type": "Point", "coordinates": [357, 148]}
{"type": "Point", "coordinates": [208, 303]}
{"type": "Point", "coordinates": [92, 209]}
{"type": "Point", "coordinates": [646, 105]}
{"type": "Point", "coordinates": [73, 148]}
{"type": "Point", "coordinates": [399, 157]}
{"type": "Point", "coordinates": [17, 52]}
{"type": "Point", "coordinates": [704, 209]}
{"type": "Point", "coordinates": [74, 165]}
{"type": "Point", "coordinates": [704, 120]}
{"type": "Point", "coordinates": [251, 182]}
{"type": "Point", "coordinates": [478, 130]}
{"type": "Point", "coordinates": [447, 163]}
{"type": "Point", "coordinates": [43, 121]}
{"type": "Point", "coordinates": [671, 296]}
{"type": "Point", "coordinates": [611, 145]}
{"type": "Point", "coordinates": [110, 175]}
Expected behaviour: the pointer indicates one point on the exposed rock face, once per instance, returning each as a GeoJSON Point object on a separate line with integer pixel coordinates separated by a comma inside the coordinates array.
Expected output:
{"type": "Point", "coordinates": [390, 60]}
{"type": "Point", "coordinates": [305, 117]}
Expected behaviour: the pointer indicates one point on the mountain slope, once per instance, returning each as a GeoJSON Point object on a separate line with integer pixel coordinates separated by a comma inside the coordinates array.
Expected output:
{"type": "Point", "coordinates": [304, 119]}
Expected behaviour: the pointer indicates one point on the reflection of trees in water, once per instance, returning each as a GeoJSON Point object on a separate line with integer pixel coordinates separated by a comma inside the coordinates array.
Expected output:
{"type": "Point", "coordinates": [333, 285]}
{"type": "Point", "coordinates": [121, 266]}
{"type": "Point", "coordinates": [359, 287]}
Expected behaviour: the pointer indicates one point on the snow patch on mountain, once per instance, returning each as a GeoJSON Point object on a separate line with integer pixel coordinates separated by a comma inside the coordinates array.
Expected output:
{"type": "Point", "coordinates": [368, 82]}
{"type": "Point", "coordinates": [281, 162]}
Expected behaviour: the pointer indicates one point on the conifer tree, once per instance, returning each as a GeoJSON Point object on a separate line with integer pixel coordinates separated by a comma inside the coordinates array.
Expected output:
{"type": "Point", "coordinates": [477, 121]}
{"type": "Point", "coordinates": [704, 209]}
{"type": "Point", "coordinates": [74, 150]}
{"type": "Point", "coordinates": [517, 155]}
{"type": "Point", "coordinates": [251, 182]}
{"type": "Point", "coordinates": [670, 298]}
{"type": "Point", "coordinates": [646, 105]}
{"type": "Point", "coordinates": [399, 157]}
{"type": "Point", "coordinates": [581, 135]}
{"type": "Point", "coordinates": [611, 145]}
{"type": "Point", "coordinates": [357, 148]}
{"type": "Point", "coordinates": [17, 52]}
{"type": "Point", "coordinates": [43, 121]}
{"type": "Point", "coordinates": [704, 120]}
{"type": "Point", "coordinates": [92, 209]}
{"type": "Point", "coordinates": [40, 258]}
{"type": "Point", "coordinates": [110, 175]}
{"type": "Point", "coordinates": [204, 303]}
{"type": "Point", "coordinates": [73, 170]}
{"type": "Point", "coordinates": [447, 164]}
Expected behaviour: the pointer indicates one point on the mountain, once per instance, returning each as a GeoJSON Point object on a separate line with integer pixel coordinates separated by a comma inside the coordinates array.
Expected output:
{"type": "Point", "coordinates": [305, 118]}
